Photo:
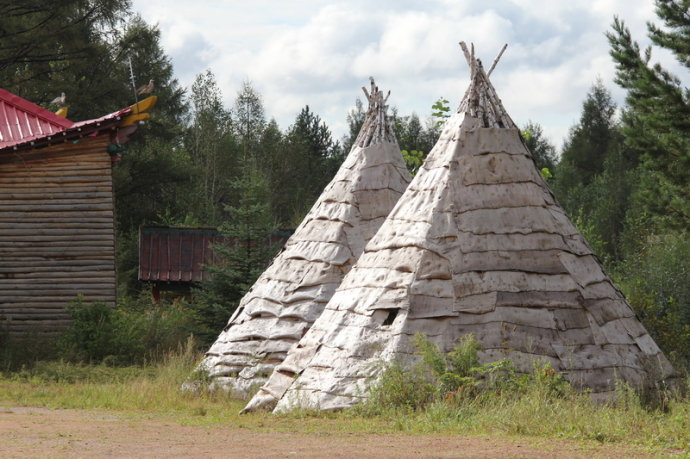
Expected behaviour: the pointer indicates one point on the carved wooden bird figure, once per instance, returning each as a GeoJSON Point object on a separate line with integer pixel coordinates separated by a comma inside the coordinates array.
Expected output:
{"type": "Point", "coordinates": [60, 100]}
{"type": "Point", "coordinates": [146, 89]}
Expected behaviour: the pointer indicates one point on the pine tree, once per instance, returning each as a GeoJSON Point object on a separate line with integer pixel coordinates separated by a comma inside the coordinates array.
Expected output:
{"type": "Point", "coordinates": [584, 153]}
{"type": "Point", "coordinates": [310, 158]}
{"type": "Point", "coordinates": [248, 120]}
{"type": "Point", "coordinates": [656, 121]}
{"type": "Point", "coordinates": [244, 256]}
{"type": "Point", "coordinates": [591, 180]}
{"type": "Point", "coordinates": [594, 136]}
{"type": "Point", "coordinates": [543, 152]}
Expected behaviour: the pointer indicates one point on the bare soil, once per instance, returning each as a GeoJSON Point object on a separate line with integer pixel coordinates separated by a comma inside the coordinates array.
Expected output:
{"type": "Point", "coordinates": [39, 432]}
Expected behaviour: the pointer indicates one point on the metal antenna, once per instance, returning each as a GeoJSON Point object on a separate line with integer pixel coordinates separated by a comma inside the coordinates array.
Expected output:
{"type": "Point", "coordinates": [131, 77]}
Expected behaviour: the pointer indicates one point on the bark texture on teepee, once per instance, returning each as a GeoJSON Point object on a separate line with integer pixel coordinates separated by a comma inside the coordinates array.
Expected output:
{"type": "Point", "coordinates": [289, 296]}
{"type": "Point", "coordinates": [477, 244]}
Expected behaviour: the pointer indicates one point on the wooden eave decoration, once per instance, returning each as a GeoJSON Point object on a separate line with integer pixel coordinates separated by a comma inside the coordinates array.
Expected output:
{"type": "Point", "coordinates": [139, 111]}
{"type": "Point", "coordinates": [120, 124]}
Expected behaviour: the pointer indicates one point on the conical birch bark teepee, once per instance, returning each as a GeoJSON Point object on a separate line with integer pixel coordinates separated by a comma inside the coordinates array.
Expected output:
{"type": "Point", "coordinates": [477, 244]}
{"type": "Point", "coordinates": [289, 296]}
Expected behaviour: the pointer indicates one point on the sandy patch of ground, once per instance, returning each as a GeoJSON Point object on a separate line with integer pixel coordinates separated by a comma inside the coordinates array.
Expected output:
{"type": "Point", "coordinates": [39, 432]}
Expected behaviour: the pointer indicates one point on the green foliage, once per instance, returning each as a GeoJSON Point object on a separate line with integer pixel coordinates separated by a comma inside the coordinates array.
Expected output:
{"type": "Point", "coordinates": [249, 227]}
{"type": "Point", "coordinates": [152, 388]}
{"type": "Point", "coordinates": [54, 47]}
{"type": "Point", "coordinates": [355, 120]}
{"type": "Point", "coordinates": [248, 119]}
{"type": "Point", "coordinates": [303, 163]}
{"type": "Point", "coordinates": [587, 228]}
{"type": "Point", "coordinates": [608, 204]}
{"type": "Point", "coordinates": [656, 281]}
{"type": "Point", "coordinates": [452, 377]}
{"type": "Point", "coordinates": [543, 152]}
{"type": "Point", "coordinates": [152, 180]}
{"type": "Point", "coordinates": [595, 177]}
{"type": "Point", "coordinates": [415, 139]}
{"type": "Point", "coordinates": [25, 350]}
{"type": "Point", "coordinates": [80, 47]}
{"type": "Point", "coordinates": [441, 111]}
{"type": "Point", "coordinates": [213, 149]}
{"type": "Point", "coordinates": [62, 372]}
{"type": "Point", "coordinates": [656, 121]}
{"type": "Point", "coordinates": [412, 134]}
{"type": "Point", "coordinates": [413, 160]}
{"type": "Point", "coordinates": [495, 398]}
{"type": "Point", "coordinates": [135, 332]}
{"type": "Point", "coordinates": [594, 137]}
{"type": "Point", "coordinates": [91, 336]}
{"type": "Point", "coordinates": [400, 387]}
{"type": "Point", "coordinates": [153, 391]}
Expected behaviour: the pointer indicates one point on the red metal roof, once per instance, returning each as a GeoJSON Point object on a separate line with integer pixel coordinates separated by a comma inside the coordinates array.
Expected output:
{"type": "Point", "coordinates": [25, 124]}
{"type": "Point", "coordinates": [169, 254]}
{"type": "Point", "coordinates": [21, 120]}
{"type": "Point", "coordinates": [176, 254]}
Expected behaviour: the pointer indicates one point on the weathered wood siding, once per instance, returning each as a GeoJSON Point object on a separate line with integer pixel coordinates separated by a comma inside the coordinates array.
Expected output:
{"type": "Point", "coordinates": [57, 236]}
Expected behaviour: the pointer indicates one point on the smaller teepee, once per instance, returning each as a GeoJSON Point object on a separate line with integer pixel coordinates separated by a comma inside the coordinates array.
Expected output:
{"type": "Point", "coordinates": [477, 244]}
{"type": "Point", "coordinates": [291, 294]}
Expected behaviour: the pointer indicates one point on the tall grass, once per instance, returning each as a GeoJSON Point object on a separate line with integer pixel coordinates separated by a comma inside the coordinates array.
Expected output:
{"type": "Point", "coordinates": [538, 405]}
{"type": "Point", "coordinates": [455, 393]}
{"type": "Point", "coordinates": [154, 390]}
{"type": "Point", "coordinates": [155, 387]}
{"type": "Point", "coordinates": [573, 416]}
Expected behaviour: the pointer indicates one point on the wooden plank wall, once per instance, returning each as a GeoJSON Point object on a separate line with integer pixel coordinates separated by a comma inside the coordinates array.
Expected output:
{"type": "Point", "coordinates": [57, 235]}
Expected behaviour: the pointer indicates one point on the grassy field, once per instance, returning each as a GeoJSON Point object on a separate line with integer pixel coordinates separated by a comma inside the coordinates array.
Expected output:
{"type": "Point", "coordinates": [154, 391]}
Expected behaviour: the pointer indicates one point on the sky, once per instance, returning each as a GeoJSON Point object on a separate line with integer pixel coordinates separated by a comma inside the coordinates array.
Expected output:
{"type": "Point", "coordinates": [320, 53]}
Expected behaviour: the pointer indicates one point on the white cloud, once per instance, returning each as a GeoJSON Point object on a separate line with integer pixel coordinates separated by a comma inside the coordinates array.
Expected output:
{"type": "Point", "coordinates": [310, 52]}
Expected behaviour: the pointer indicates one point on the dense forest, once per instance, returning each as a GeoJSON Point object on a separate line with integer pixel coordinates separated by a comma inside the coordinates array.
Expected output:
{"type": "Point", "coordinates": [622, 174]}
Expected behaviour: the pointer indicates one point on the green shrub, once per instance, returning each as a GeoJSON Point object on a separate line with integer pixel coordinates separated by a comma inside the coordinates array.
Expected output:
{"type": "Point", "coordinates": [400, 387]}
{"type": "Point", "coordinates": [20, 351]}
{"type": "Point", "coordinates": [91, 334]}
{"type": "Point", "coordinates": [435, 376]}
{"type": "Point", "coordinates": [137, 331]}
{"type": "Point", "coordinates": [656, 281]}
{"type": "Point", "coordinates": [159, 327]}
{"type": "Point", "coordinates": [459, 374]}
{"type": "Point", "coordinates": [45, 372]}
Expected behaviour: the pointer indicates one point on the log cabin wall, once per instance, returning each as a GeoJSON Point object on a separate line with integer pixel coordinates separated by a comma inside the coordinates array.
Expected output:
{"type": "Point", "coordinates": [57, 234]}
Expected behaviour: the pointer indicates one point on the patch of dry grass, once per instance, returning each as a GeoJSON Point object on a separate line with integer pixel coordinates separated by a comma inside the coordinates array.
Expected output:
{"type": "Point", "coordinates": [154, 391]}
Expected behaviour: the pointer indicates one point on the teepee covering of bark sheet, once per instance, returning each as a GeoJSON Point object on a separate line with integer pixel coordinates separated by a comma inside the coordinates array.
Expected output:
{"type": "Point", "coordinates": [289, 296]}
{"type": "Point", "coordinates": [477, 244]}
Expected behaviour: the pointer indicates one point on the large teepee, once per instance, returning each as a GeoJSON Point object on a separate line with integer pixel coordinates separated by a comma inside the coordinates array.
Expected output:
{"type": "Point", "coordinates": [477, 244]}
{"type": "Point", "coordinates": [289, 296]}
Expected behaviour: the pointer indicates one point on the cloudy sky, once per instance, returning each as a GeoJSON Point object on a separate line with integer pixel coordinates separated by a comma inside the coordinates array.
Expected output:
{"type": "Point", "coordinates": [319, 53]}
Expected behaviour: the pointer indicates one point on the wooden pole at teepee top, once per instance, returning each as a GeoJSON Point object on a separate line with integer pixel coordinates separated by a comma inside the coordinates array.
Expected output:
{"type": "Point", "coordinates": [376, 127]}
{"type": "Point", "coordinates": [493, 65]}
{"type": "Point", "coordinates": [463, 46]}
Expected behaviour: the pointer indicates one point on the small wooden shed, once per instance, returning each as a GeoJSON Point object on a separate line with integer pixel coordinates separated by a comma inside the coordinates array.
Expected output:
{"type": "Point", "coordinates": [57, 232]}
{"type": "Point", "coordinates": [175, 258]}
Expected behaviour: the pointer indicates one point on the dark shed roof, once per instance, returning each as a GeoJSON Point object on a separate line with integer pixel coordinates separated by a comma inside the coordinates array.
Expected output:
{"type": "Point", "coordinates": [176, 254]}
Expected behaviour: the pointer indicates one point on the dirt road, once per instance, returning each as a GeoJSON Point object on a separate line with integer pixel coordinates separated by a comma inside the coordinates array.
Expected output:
{"type": "Point", "coordinates": [38, 432]}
